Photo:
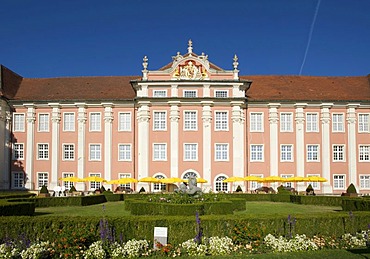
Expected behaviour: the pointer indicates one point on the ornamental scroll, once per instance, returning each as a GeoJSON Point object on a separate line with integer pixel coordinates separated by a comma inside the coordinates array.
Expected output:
{"type": "Point", "coordinates": [190, 71]}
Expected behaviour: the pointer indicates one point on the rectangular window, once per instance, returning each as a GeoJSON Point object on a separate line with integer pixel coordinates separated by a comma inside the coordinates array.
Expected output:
{"type": "Point", "coordinates": [42, 179]}
{"type": "Point", "coordinates": [127, 185]}
{"type": "Point", "coordinates": [338, 153]}
{"type": "Point", "coordinates": [18, 180]}
{"type": "Point", "coordinates": [221, 94]}
{"type": "Point", "coordinates": [190, 93]}
{"type": "Point", "coordinates": [338, 122]}
{"type": "Point", "coordinates": [43, 122]}
{"type": "Point", "coordinates": [286, 122]}
{"type": "Point", "coordinates": [315, 185]}
{"type": "Point", "coordinates": [68, 185]}
{"type": "Point", "coordinates": [363, 123]}
{"type": "Point", "coordinates": [159, 152]}
{"type": "Point", "coordinates": [256, 121]}
{"type": "Point", "coordinates": [312, 152]}
{"type": "Point", "coordinates": [256, 153]}
{"type": "Point", "coordinates": [255, 185]}
{"type": "Point", "coordinates": [124, 121]}
{"type": "Point", "coordinates": [95, 121]}
{"type": "Point", "coordinates": [159, 93]}
{"type": "Point", "coordinates": [124, 152]}
{"type": "Point", "coordinates": [190, 152]}
{"type": "Point", "coordinates": [95, 152]}
{"type": "Point", "coordinates": [18, 151]}
{"type": "Point", "coordinates": [95, 185]}
{"type": "Point", "coordinates": [68, 121]}
{"type": "Point", "coordinates": [339, 182]}
{"type": "Point", "coordinates": [287, 176]}
{"type": "Point", "coordinates": [312, 122]}
{"type": "Point", "coordinates": [43, 151]}
{"type": "Point", "coordinates": [221, 121]}
{"type": "Point", "coordinates": [159, 121]}
{"type": "Point", "coordinates": [221, 152]}
{"type": "Point", "coordinates": [365, 181]}
{"type": "Point", "coordinates": [18, 122]}
{"type": "Point", "coordinates": [68, 152]}
{"type": "Point", "coordinates": [286, 153]}
{"type": "Point", "coordinates": [190, 120]}
{"type": "Point", "coordinates": [364, 152]}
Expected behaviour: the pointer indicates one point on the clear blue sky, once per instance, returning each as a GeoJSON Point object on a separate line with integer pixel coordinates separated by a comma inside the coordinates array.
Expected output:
{"type": "Point", "coordinates": [57, 38]}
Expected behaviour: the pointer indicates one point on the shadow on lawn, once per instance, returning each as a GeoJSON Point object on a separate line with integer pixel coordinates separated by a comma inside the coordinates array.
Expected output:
{"type": "Point", "coordinates": [365, 252]}
{"type": "Point", "coordinates": [41, 213]}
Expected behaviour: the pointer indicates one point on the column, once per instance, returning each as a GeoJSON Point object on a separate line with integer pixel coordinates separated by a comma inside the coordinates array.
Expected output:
{"type": "Point", "coordinates": [108, 120]}
{"type": "Point", "coordinates": [237, 118]}
{"type": "Point", "coordinates": [30, 155]}
{"type": "Point", "coordinates": [325, 146]}
{"type": "Point", "coordinates": [55, 120]}
{"type": "Point", "coordinates": [352, 157]}
{"type": "Point", "coordinates": [274, 143]}
{"type": "Point", "coordinates": [207, 137]}
{"type": "Point", "coordinates": [5, 119]}
{"type": "Point", "coordinates": [143, 117]}
{"type": "Point", "coordinates": [299, 146]}
{"type": "Point", "coordinates": [174, 142]}
{"type": "Point", "coordinates": [81, 143]}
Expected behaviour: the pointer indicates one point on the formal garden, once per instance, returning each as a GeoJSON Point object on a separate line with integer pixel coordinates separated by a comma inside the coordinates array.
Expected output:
{"type": "Point", "coordinates": [216, 225]}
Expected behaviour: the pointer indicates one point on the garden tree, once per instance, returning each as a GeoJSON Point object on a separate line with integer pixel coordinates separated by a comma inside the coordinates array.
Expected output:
{"type": "Point", "coordinates": [44, 189]}
{"type": "Point", "coordinates": [72, 189]}
{"type": "Point", "coordinates": [351, 189]}
{"type": "Point", "coordinates": [281, 190]}
{"type": "Point", "coordinates": [239, 189]}
{"type": "Point", "coordinates": [310, 190]}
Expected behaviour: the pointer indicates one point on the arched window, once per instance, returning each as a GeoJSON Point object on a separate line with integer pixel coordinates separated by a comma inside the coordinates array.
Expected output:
{"type": "Point", "coordinates": [190, 173]}
{"type": "Point", "coordinates": [220, 185]}
{"type": "Point", "coordinates": [159, 186]}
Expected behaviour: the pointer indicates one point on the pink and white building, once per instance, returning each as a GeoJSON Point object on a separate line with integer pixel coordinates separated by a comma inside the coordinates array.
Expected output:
{"type": "Point", "coordinates": [189, 117]}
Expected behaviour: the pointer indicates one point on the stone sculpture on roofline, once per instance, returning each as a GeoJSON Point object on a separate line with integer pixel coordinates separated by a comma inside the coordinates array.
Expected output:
{"type": "Point", "coordinates": [191, 189]}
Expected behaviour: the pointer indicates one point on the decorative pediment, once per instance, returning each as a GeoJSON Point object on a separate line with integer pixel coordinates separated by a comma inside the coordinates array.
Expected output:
{"type": "Point", "coordinates": [190, 70]}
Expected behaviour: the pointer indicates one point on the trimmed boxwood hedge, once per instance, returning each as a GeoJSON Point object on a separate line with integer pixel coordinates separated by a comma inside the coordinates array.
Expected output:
{"type": "Point", "coordinates": [17, 208]}
{"type": "Point", "coordinates": [356, 204]}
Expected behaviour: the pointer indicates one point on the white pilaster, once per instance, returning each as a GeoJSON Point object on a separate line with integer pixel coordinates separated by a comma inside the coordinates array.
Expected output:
{"type": "Point", "coordinates": [174, 149]}
{"type": "Point", "coordinates": [206, 90]}
{"type": "Point", "coordinates": [143, 117]}
{"type": "Point", "coordinates": [300, 148]}
{"type": "Point", "coordinates": [174, 90]}
{"type": "Point", "coordinates": [238, 140]}
{"type": "Point", "coordinates": [207, 137]}
{"type": "Point", "coordinates": [81, 142]}
{"type": "Point", "coordinates": [5, 119]}
{"type": "Point", "coordinates": [30, 155]}
{"type": "Point", "coordinates": [274, 146]}
{"type": "Point", "coordinates": [325, 146]}
{"type": "Point", "coordinates": [108, 119]}
{"type": "Point", "coordinates": [55, 119]}
{"type": "Point", "coordinates": [352, 157]}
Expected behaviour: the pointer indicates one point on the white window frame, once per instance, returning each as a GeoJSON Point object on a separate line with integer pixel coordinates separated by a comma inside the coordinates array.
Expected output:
{"type": "Point", "coordinates": [310, 158]}
{"type": "Point", "coordinates": [95, 121]}
{"type": "Point", "coordinates": [19, 122]}
{"type": "Point", "coordinates": [94, 185]}
{"type": "Point", "coordinates": [190, 151]}
{"type": "Point", "coordinates": [221, 93]}
{"type": "Point", "coordinates": [363, 122]}
{"type": "Point", "coordinates": [337, 122]}
{"type": "Point", "coordinates": [339, 153]}
{"type": "Point", "coordinates": [285, 153]}
{"type": "Point", "coordinates": [160, 93]}
{"type": "Point", "coordinates": [124, 121]}
{"type": "Point", "coordinates": [256, 121]}
{"type": "Point", "coordinates": [255, 185]}
{"type": "Point", "coordinates": [287, 184]}
{"type": "Point", "coordinates": [315, 185]}
{"type": "Point", "coordinates": [286, 122]}
{"type": "Point", "coordinates": [190, 122]}
{"type": "Point", "coordinates": [68, 154]}
{"type": "Point", "coordinates": [159, 120]}
{"type": "Point", "coordinates": [364, 153]}
{"type": "Point", "coordinates": [364, 181]}
{"type": "Point", "coordinates": [44, 148]}
{"type": "Point", "coordinates": [311, 124]}
{"type": "Point", "coordinates": [221, 123]}
{"type": "Point", "coordinates": [339, 184]}
{"type": "Point", "coordinates": [159, 151]}
{"type": "Point", "coordinates": [18, 151]}
{"type": "Point", "coordinates": [18, 180]}
{"type": "Point", "coordinates": [220, 185]}
{"type": "Point", "coordinates": [122, 176]}
{"type": "Point", "coordinates": [44, 180]}
{"type": "Point", "coordinates": [43, 122]}
{"type": "Point", "coordinates": [190, 93]}
{"type": "Point", "coordinates": [158, 187]}
{"type": "Point", "coordinates": [69, 121]}
{"type": "Point", "coordinates": [67, 184]}
{"type": "Point", "coordinates": [257, 155]}
{"type": "Point", "coordinates": [95, 155]}
{"type": "Point", "coordinates": [124, 152]}
{"type": "Point", "coordinates": [221, 151]}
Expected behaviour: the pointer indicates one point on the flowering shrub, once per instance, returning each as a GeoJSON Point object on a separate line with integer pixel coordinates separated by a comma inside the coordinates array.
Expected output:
{"type": "Point", "coordinates": [95, 251]}
{"type": "Point", "coordinates": [220, 245]}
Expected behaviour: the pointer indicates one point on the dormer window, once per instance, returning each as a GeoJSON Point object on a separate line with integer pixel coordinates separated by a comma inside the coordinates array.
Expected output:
{"type": "Point", "coordinates": [159, 93]}
{"type": "Point", "coordinates": [221, 94]}
{"type": "Point", "coordinates": [190, 93]}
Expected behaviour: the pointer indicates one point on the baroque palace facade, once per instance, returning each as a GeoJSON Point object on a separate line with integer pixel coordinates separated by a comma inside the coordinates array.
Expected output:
{"type": "Point", "coordinates": [189, 117]}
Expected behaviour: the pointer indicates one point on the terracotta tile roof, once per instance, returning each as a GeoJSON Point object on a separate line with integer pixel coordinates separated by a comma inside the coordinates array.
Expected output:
{"type": "Point", "coordinates": [308, 88]}
{"type": "Point", "coordinates": [10, 82]}
{"type": "Point", "coordinates": [76, 88]}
